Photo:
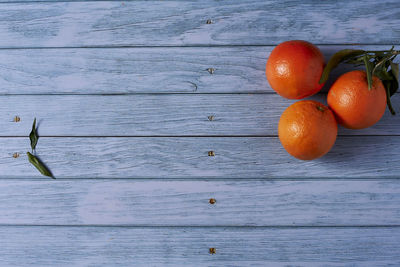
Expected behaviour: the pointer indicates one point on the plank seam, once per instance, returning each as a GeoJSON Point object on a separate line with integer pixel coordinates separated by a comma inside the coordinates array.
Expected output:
{"type": "Point", "coordinates": [207, 179]}
{"type": "Point", "coordinates": [158, 94]}
{"type": "Point", "coordinates": [63, 1]}
{"type": "Point", "coordinates": [168, 46]}
{"type": "Point", "coordinates": [142, 93]}
{"type": "Point", "coordinates": [202, 226]}
{"type": "Point", "coordinates": [186, 136]}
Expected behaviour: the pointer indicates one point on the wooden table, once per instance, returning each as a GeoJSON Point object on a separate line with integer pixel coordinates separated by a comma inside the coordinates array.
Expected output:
{"type": "Point", "coordinates": [149, 109]}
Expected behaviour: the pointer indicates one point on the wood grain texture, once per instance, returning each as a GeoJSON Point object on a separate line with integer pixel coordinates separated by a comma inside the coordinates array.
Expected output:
{"type": "Point", "coordinates": [160, 115]}
{"type": "Point", "coordinates": [164, 157]}
{"type": "Point", "coordinates": [148, 49]}
{"type": "Point", "coordinates": [109, 246]}
{"type": "Point", "coordinates": [143, 70]}
{"type": "Point", "coordinates": [155, 23]}
{"type": "Point", "coordinates": [186, 203]}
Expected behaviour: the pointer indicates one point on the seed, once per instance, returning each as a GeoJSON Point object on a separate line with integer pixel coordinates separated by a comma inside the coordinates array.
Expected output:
{"type": "Point", "coordinates": [211, 70]}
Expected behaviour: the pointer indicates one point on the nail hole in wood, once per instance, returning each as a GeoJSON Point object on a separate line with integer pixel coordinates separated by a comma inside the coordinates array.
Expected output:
{"type": "Point", "coordinates": [211, 70]}
{"type": "Point", "coordinates": [209, 21]}
{"type": "Point", "coordinates": [17, 119]}
{"type": "Point", "coordinates": [212, 250]}
{"type": "Point", "coordinates": [212, 201]}
{"type": "Point", "coordinates": [15, 155]}
{"type": "Point", "coordinates": [211, 117]}
{"type": "Point", "coordinates": [211, 153]}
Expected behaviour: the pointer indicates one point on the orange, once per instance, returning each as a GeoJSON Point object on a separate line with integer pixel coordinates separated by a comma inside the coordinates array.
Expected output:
{"type": "Point", "coordinates": [294, 69]}
{"type": "Point", "coordinates": [354, 105]}
{"type": "Point", "coordinates": [307, 129]}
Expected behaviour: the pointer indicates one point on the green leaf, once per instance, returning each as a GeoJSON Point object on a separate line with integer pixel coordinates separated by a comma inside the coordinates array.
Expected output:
{"type": "Point", "coordinates": [394, 83]}
{"type": "Point", "coordinates": [357, 60]}
{"type": "Point", "coordinates": [33, 136]}
{"type": "Point", "coordinates": [369, 66]}
{"type": "Point", "coordinates": [383, 74]}
{"type": "Point", "coordinates": [380, 64]}
{"type": "Point", "coordinates": [336, 59]}
{"type": "Point", "coordinates": [388, 85]}
{"type": "Point", "coordinates": [395, 70]}
{"type": "Point", "coordinates": [35, 161]}
{"type": "Point", "coordinates": [392, 77]}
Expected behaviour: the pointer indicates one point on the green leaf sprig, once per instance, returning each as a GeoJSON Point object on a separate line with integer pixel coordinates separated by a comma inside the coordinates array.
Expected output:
{"type": "Point", "coordinates": [33, 136]}
{"type": "Point", "coordinates": [377, 63]}
{"type": "Point", "coordinates": [33, 159]}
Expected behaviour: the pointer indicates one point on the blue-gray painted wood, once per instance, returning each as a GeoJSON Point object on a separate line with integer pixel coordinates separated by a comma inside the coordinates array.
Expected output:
{"type": "Point", "coordinates": [164, 157]}
{"type": "Point", "coordinates": [182, 246]}
{"type": "Point", "coordinates": [160, 115]}
{"type": "Point", "coordinates": [155, 23]}
{"type": "Point", "coordinates": [144, 70]}
{"type": "Point", "coordinates": [305, 199]}
{"type": "Point", "coordinates": [186, 203]}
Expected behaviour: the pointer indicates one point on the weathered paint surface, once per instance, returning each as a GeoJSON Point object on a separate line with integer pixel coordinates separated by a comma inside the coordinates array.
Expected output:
{"type": "Point", "coordinates": [149, 109]}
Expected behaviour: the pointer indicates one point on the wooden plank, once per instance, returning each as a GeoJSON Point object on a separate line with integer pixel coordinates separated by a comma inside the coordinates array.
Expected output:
{"type": "Point", "coordinates": [155, 23]}
{"type": "Point", "coordinates": [186, 203]}
{"type": "Point", "coordinates": [134, 70]}
{"type": "Point", "coordinates": [164, 157]}
{"type": "Point", "coordinates": [143, 70]}
{"type": "Point", "coordinates": [109, 246]}
{"type": "Point", "coordinates": [159, 115]}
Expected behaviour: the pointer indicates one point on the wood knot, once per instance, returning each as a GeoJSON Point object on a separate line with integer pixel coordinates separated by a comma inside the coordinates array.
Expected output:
{"type": "Point", "coordinates": [15, 155]}
{"type": "Point", "coordinates": [17, 119]}
{"type": "Point", "coordinates": [209, 21]}
{"type": "Point", "coordinates": [212, 250]}
{"type": "Point", "coordinates": [211, 153]}
{"type": "Point", "coordinates": [211, 70]}
{"type": "Point", "coordinates": [212, 201]}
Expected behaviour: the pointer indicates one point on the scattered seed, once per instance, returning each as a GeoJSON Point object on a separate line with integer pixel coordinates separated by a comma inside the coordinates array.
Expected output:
{"type": "Point", "coordinates": [212, 250]}
{"type": "Point", "coordinates": [17, 119]}
{"type": "Point", "coordinates": [211, 70]}
{"type": "Point", "coordinates": [209, 21]}
{"type": "Point", "coordinates": [15, 155]}
{"type": "Point", "coordinates": [211, 153]}
{"type": "Point", "coordinates": [212, 201]}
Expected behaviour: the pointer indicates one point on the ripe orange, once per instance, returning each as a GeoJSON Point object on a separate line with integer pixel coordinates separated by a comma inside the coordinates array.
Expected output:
{"type": "Point", "coordinates": [354, 105]}
{"type": "Point", "coordinates": [294, 69]}
{"type": "Point", "coordinates": [307, 129]}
